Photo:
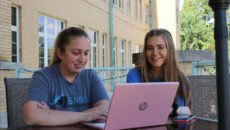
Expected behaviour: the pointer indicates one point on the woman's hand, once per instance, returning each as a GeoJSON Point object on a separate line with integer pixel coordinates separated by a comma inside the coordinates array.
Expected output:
{"type": "Point", "coordinates": [183, 110]}
{"type": "Point", "coordinates": [97, 116]}
{"type": "Point", "coordinates": [43, 105]}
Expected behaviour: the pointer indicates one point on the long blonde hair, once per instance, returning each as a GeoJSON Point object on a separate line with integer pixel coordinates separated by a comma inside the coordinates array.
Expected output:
{"type": "Point", "coordinates": [63, 39]}
{"type": "Point", "coordinates": [170, 69]}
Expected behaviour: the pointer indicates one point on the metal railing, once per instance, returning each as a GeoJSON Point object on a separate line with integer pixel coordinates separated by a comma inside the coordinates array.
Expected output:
{"type": "Point", "coordinates": [204, 67]}
{"type": "Point", "coordinates": [109, 75]}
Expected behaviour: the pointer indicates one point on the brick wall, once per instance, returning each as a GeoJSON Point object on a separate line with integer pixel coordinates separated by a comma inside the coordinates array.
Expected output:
{"type": "Point", "coordinates": [186, 67]}
{"type": "Point", "coordinates": [4, 73]}
{"type": "Point", "coordinates": [7, 69]}
{"type": "Point", "coordinates": [204, 96]}
{"type": "Point", "coordinates": [5, 50]}
{"type": "Point", "coordinates": [5, 30]}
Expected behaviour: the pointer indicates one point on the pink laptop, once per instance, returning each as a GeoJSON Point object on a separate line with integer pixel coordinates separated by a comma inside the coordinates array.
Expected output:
{"type": "Point", "coordinates": [139, 105]}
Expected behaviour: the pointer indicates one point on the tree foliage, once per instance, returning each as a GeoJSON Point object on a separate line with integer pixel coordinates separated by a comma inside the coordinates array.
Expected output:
{"type": "Point", "coordinates": [196, 26]}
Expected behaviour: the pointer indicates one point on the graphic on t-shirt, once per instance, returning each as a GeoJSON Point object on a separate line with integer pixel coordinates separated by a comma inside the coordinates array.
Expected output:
{"type": "Point", "coordinates": [64, 100]}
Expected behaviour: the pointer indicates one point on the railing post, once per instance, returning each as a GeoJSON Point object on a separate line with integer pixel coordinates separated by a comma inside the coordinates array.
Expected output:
{"type": "Point", "coordinates": [221, 45]}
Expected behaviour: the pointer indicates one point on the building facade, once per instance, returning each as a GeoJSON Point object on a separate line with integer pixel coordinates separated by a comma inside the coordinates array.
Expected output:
{"type": "Point", "coordinates": [28, 29]}
{"type": "Point", "coordinates": [34, 24]}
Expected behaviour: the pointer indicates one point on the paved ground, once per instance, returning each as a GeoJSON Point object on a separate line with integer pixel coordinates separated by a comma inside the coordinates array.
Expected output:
{"type": "Point", "coordinates": [3, 120]}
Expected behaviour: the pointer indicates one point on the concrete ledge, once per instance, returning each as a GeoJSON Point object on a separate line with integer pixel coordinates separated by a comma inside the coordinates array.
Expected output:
{"type": "Point", "coordinates": [194, 55]}
{"type": "Point", "coordinates": [183, 56]}
{"type": "Point", "coordinates": [11, 65]}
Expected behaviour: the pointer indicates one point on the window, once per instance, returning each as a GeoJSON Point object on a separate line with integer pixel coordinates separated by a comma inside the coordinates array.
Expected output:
{"type": "Point", "coordinates": [129, 53]}
{"type": "Point", "coordinates": [93, 48]}
{"type": "Point", "coordinates": [146, 14]}
{"type": "Point", "coordinates": [114, 50]}
{"type": "Point", "coordinates": [140, 48]}
{"type": "Point", "coordinates": [128, 7]}
{"type": "Point", "coordinates": [120, 4]}
{"type": "Point", "coordinates": [136, 48]}
{"type": "Point", "coordinates": [135, 9]}
{"type": "Point", "coordinates": [48, 30]}
{"type": "Point", "coordinates": [122, 52]}
{"type": "Point", "coordinates": [115, 3]}
{"type": "Point", "coordinates": [103, 49]}
{"type": "Point", "coordinates": [140, 10]}
{"type": "Point", "coordinates": [14, 37]}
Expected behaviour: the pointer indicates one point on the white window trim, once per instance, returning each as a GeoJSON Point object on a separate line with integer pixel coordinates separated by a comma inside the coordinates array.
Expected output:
{"type": "Point", "coordinates": [122, 51]}
{"type": "Point", "coordinates": [114, 49]}
{"type": "Point", "coordinates": [115, 4]}
{"type": "Point", "coordinates": [128, 7]}
{"type": "Point", "coordinates": [129, 53]}
{"type": "Point", "coordinates": [135, 9]}
{"type": "Point", "coordinates": [140, 10]}
{"type": "Point", "coordinates": [92, 45]}
{"type": "Point", "coordinates": [140, 47]}
{"type": "Point", "coordinates": [104, 48]}
{"type": "Point", "coordinates": [16, 29]}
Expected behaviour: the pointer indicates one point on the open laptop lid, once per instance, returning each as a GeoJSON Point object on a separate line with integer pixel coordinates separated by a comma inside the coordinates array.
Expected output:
{"type": "Point", "coordinates": [141, 104]}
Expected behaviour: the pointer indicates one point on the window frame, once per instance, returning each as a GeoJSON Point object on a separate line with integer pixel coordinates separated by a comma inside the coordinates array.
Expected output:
{"type": "Point", "coordinates": [128, 11]}
{"type": "Point", "coordinates": [93, 44]}
{"type": "Point", "coordinates": [122, 51]}
{"type": "Point", "coordinates": [140, 48]}
{"type": "Point", "coordinates": [15, 29]}
{"type": "Point", "coordinates": [45, 36]}
{"type": "Point", "coordinates": [135, 9]}
{"type": "Point", "coordinates": [129, 53]}
{"type": "Point", "coordinates": [121, 4]}
{"type": "Point", "coordinates": [114, 49]}
{"type": "Point", "coordinates": [140, 10]}
{"type": "Point", "coordinates": [104, 38]}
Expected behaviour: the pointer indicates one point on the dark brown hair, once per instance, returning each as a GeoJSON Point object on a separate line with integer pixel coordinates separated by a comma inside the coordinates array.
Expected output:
{"type": "Point", "coordinates": [63, 39]}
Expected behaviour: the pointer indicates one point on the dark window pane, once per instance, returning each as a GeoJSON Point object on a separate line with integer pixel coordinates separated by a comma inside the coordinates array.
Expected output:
{"type": "Point", "coordinates": [62, 25]}
{"type": "Point", "coordinates": [95, 37]}
{"type": "Point", "coordinates": [14, 36]}
{"type": "Point", "coordinates": [14, 49]}
{"type": "Point", "coordinates": [41, 52]}
{"type": "Point", "coordinates": [41, 62]}
{"type": "Point", "coordinates": [14, 58]}
{"type": "Point", "coordinates": [50, 47]}
{"type": "Point", "coordinates": [13, 16]}
{"type": "Point", "coordinates": [94, 57]}
{"type": "Point", "coordinates": [49, 61]}
{"type": "Point", "coordinates": [41, 41]}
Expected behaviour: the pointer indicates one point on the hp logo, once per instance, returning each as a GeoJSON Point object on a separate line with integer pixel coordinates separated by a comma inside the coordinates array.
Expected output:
{"type": "Point", "coordinates": [143, 106]}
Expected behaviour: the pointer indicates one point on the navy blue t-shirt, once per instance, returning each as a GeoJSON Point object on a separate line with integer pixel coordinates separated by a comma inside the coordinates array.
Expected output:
{"type": "Point", "coordinates": [49, 85]}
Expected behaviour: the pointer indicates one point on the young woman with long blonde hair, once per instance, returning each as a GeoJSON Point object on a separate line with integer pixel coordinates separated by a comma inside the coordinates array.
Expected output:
{"type": "Point", "coordinates": [159, 64]}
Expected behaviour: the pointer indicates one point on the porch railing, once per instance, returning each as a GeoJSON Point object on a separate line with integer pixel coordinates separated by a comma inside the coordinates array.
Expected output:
{"type": "Point", "coordinates": [204, 67]}
{"type": "Point", "coordinates": [109, 75]}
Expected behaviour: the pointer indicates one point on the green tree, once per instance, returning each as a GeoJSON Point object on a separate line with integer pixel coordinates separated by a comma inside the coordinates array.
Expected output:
{"type": "Point", "coordinates": [196, 26]}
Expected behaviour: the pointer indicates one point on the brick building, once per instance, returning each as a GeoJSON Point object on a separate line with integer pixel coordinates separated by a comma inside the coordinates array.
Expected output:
{"type": "Point", "coordinates": [28, 29]}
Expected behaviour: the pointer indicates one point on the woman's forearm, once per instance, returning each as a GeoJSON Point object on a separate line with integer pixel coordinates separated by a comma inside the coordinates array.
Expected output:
{"type": "Point", "coordinates": [45, 117]}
